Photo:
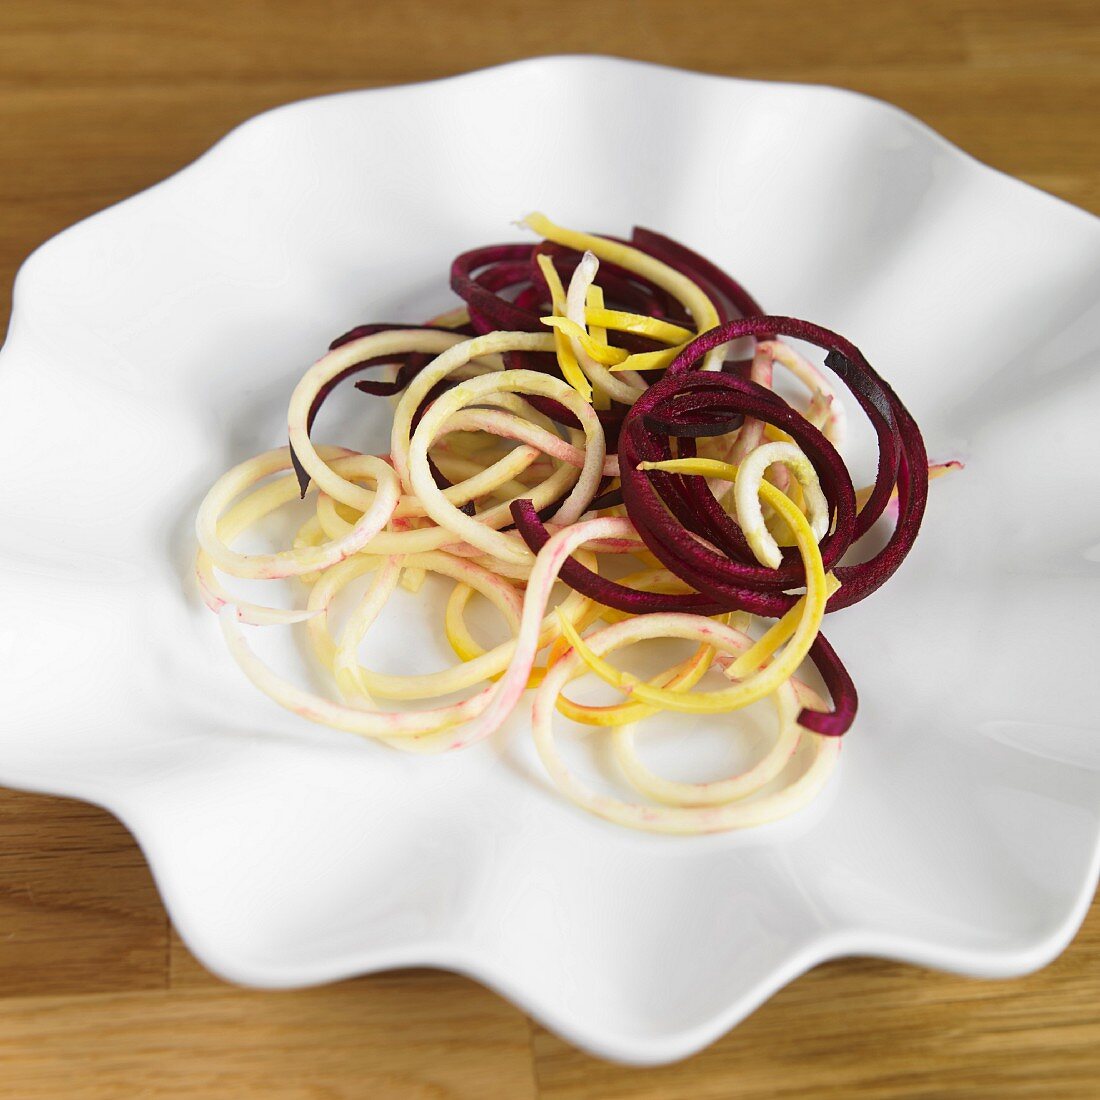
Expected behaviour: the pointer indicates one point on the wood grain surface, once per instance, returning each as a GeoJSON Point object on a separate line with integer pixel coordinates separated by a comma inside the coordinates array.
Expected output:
{"type": "Point", "coordinates": [98, 998]}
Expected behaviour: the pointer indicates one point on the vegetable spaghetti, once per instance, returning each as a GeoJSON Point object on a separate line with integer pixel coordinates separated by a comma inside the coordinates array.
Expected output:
{"type": "Point", "coordinates": [585, 407]}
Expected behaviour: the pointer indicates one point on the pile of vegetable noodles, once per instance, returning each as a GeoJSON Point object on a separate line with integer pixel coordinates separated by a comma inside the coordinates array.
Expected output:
{"type": "Point", "coordinates": [585, 402]}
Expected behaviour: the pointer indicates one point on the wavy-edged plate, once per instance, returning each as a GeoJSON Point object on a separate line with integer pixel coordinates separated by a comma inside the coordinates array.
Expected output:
{"type": "Point", "coordinates": [157, 342]}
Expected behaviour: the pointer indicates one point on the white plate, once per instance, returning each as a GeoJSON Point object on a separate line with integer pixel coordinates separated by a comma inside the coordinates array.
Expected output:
{"type": "Point", "coordinates": [157, 342]}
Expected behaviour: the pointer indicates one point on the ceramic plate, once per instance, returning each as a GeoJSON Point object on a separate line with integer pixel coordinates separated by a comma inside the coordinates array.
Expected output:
{"type": "Point", "coordinates": [156, 343]}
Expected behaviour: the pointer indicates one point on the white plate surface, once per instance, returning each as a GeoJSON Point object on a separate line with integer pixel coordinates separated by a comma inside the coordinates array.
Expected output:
{"type": "Point", "coordinates": [157, 342]}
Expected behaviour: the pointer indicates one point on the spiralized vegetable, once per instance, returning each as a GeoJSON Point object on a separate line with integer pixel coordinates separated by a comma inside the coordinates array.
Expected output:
{"type": "Point", "coordinates": [580, 404]}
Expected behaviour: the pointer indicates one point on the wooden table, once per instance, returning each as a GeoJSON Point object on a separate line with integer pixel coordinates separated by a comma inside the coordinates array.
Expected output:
{"type": "Point", "coordinates": [98, 998]}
